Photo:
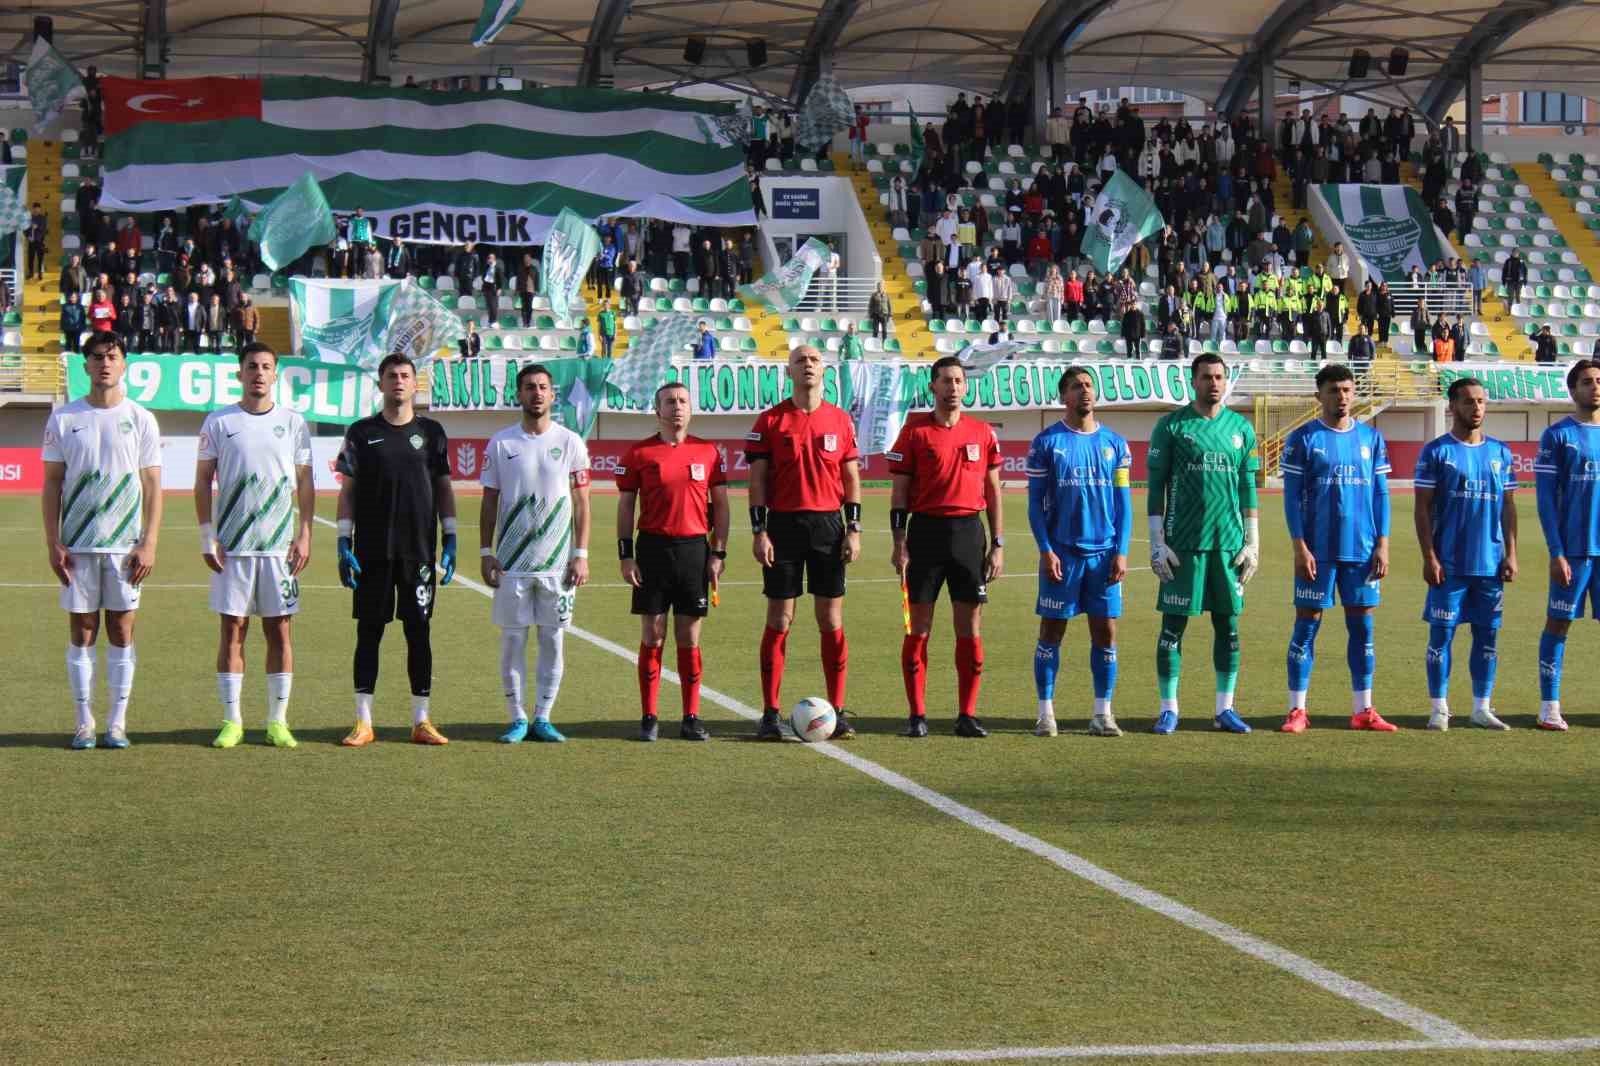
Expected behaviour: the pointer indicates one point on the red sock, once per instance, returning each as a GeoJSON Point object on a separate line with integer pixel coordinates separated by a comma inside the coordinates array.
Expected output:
{"type": "Point", "coordinates": [649, 677]}
{"type": "Point", "coordinates": [914, 665]}
{"type": "Point", "coordinates": [689, 679]}
{"type": "Point", "coordinates": [835, 664]}
{"type": "Point", "coordinates": [969, 672]}
{"type": "Point", "coordinates": [772, 644]}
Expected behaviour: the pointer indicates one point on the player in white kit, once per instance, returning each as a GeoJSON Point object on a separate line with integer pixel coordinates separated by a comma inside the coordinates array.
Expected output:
{"type": "Point", "coordinates": [534, 537]}
{"type": "Point", "coordinates": [259, 454]}
{"type": "Point", "coordinates": [102, 517]}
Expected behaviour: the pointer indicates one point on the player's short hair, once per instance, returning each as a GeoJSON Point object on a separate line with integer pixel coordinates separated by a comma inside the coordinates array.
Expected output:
{"type": "Point", "coordinates": [1579, 367]}
{"type": "Point", "coordinates": [668, 385]}
{"type": "Point", "coordinates": [395, 359]}
{"type": "Point", "coordinates": [1459, 385]}
{"type": "Point", "coordinates": [260, 346]}
{"type": "Point", "coordinates": [532, 369]}
{"type": "Point", "coordinates": [104, 338]}
{"type": "Point", "coordinates": [1204, 359]}
{"type": "Point", "coordinates": [1334, 372]}
{"type": "Point", "coordinates": [1074, 371]}
{"type": "Point", "coordinates": [947, 361]}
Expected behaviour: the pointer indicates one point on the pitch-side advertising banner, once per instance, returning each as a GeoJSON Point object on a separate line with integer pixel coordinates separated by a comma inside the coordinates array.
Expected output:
{"type": "Point", "coordinates": [322, 392]}
{"type": "Point", "coordinates": [1511, 383]}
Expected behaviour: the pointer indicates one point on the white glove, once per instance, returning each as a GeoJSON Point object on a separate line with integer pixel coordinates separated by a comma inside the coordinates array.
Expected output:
{"type": "Point", "coordinates": [1163, 560]}
{"type": "Point", "coordinates": [1249, 557]}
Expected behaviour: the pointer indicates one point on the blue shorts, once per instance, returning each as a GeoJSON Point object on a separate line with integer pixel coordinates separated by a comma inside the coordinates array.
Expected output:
{"type": "Point", "coordinates": [1350, 578]}
{"type": "Point", "coordinates": [1473, 600]}
{"type": "Point", "coordinates": [1082, 588]}
{"type": "Point", "coordinates": [1567, 601]}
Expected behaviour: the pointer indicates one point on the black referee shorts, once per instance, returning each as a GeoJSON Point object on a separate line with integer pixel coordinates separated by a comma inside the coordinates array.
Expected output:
{"type": "Point", "coordinates": [946, 551]}
{"type": "Point", "coordinates": [809, 544]}
{"type": "Point", "coordinates": [394, 588]}
{"type": "Point", "coordinates": [673, 571]}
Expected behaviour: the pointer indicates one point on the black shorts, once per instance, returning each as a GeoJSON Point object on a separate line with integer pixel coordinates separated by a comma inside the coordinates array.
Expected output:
{"type": "Point", "coordinates": [809, 543]}
{"type": "Point", "coordinates": [673, 570]}
{"type": "Point", "coordinates": [946, 551]}
{"type": "Point", "coordinates": [391, 588]}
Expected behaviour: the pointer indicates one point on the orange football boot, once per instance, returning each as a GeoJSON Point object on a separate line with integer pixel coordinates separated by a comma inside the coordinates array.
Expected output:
{"type": "Point", "coordinates": [360, 736]}
{"type": "Point", "coordinates": [424, 733]}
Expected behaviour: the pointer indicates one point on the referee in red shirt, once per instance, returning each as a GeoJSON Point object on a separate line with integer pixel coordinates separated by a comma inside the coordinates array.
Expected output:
{"type": "Point", "coordinates": [677, 481]}
{"type": "Point", "coordinates": [946, 469]}
{"type": "Point", "coordinates": [804, 467]}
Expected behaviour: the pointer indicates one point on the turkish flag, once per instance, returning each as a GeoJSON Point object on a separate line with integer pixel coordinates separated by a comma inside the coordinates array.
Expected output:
{"type": "Point", "coordinates": [130, 101]}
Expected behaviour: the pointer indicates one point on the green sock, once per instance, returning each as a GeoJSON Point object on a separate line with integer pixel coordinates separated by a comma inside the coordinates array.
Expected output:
{"type": "Point", "coordinates": [1169, 659]}
{"type": "Point", "coordinates": [1225, 657]}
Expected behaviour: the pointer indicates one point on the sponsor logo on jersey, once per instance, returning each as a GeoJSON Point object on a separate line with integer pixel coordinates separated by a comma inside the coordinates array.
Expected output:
{"type": "Point", "coordinates": [1048, 604]}
{"type": "Point", "coordinates": [416, 441]}
{"type": "Point", "coordinates": [972, 453]}
{"type": "Point", "coordinates": [697, 471]}
{"type": "Point", "coordinates": [1561, 605]}
{"type": "Point", "coordinates": [830, 442]}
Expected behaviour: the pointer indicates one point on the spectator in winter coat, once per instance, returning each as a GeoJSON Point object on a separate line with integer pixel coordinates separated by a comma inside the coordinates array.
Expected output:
{"type": "Point", "coordinates": [73, 322]}
{"type": "Point", "coordinates": [706, 346]}
{"type": "Point", "coordinates": [246, 321]}
{"type": "Point", "coordinates": [1544, 346]}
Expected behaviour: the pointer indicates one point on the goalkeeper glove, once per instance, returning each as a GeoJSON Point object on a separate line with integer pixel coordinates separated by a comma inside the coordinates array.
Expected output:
{"type": "Point", "coordinates": [1163, 560]}
{"type": "Point", "coordinates": [349, 569]}
{"type": "Point", "coordinates": [447, 559]}
{"type": "Point", "coordinates": [1249, 557]}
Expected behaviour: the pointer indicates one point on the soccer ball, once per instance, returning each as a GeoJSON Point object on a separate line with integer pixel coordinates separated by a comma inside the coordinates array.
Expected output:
{"type": "Point", "coordinates": [813, 719]}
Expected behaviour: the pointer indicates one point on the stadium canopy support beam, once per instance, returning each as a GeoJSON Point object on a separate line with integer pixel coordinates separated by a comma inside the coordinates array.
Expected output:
{"type": "Point", "coordinates": [153, 43]}
{"type": "Point", "coordinates": [599, 59]}
{"type": "Point", "coordinates": [1053, 25]}
{"type": "Point", "coordinates": [1266, 96]}
{"type": "Point", "coordinates": [1475, 108]}
{"type": "Point", "coordinates": [817, 56]}
{"type": "Point", "coordinates": [1275, 34]}
{"type": "Point", "coordinates": [380, 40]}
{"type": "Point", "coordinates": [1040, 110]}
{"type": "Point", "coordinates": [1493, 30]}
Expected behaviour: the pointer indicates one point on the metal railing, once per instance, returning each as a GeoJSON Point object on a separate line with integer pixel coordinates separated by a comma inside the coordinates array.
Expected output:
{"type": "Point", "coordinates": [1448, 298]}
{"type": "Point", "coordinates": [840, 294]}
{"type": "Point", "coordinates": [1382, 385]}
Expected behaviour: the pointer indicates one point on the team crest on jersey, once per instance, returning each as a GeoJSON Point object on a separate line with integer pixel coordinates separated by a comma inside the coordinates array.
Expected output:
{"type": "Point", "coordinates": [1106, 453]}
{"type": "Point", "coordinates": [278, 431]}
{"type": "Point", "coordinates": [972, 453]}
{"type": "Point", "coordinates": [555, 453]}
{"type": "Point", "coordinates": [416, 441]}
{"type": "Point", "coordinates": [424, 572]}
{"type": "Point", "coordinates": [126, 425]}
{"type": "Point", "coordinates": [1238, 440]}
{"type": "Point", "coordinates": [830, 442]}
{"type": "Point", "coordinates": [697, 471]}
{"type": "Point", "coordinates": [1366, 452]}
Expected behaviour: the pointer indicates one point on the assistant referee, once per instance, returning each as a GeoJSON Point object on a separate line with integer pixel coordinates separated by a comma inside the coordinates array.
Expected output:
{"type": "Point", "coordinates": [946, 468]}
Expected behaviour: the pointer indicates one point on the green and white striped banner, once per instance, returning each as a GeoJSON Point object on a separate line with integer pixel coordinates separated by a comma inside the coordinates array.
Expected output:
{"type": "Point", "coordinates": [1388, 225]}
{"type": "Point", "coordinates": [341, 321]}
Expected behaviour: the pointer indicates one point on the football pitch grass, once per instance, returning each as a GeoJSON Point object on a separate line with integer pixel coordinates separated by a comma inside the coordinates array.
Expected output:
{"type": "Point", "coordinates": [1353, 898]}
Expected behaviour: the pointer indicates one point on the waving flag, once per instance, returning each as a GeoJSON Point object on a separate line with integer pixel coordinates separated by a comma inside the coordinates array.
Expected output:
{"type": "Point", "coordinates": [579, 385]}
{"type": "Point", "coordinates": [1123, 215]}
{"type": "Point", "coordinates": [420, 325]}
{"type": "Point", "coordinates": [650, 354]}
{"type": "Point", "coordinates": [568, 251]}
{"type": "Point", "coordinates": [784, 288]}
{"type": "Point", "coordinates": [298, 220]}
{"type": "Point", "coordinates": [826, 111]}
{"type": "Point", "coordinates": [496, 16]}
{"type": "Point", "coordinates": [52, 84]}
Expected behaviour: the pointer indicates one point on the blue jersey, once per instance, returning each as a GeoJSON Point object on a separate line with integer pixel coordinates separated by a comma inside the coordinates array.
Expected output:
{"type": "Point", "coordinates": [1336, 491]}
{"type": "Point", "coordinates": [1567, 477]}
{"type": "Point", "coordinates": [1469, 483]}
{"type": "Point", "coordinates": [1079, 502]}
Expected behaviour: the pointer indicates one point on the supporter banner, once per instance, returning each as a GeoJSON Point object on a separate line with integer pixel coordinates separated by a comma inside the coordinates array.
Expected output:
{"type": "Point", "coordinates": [1534, 383]}
{"type": "Point", "coordinates": [431, 167]}
{"type": "Point", "coordinates": [1123, 215]}
{"type": "Point", "coordinates": [341, 321]}
{"type": "Point", "coordinates": [782, 289]}
{"type": "Point", "coordinates": [1388, 225]}
{"type": "Point", "coordinates": [322, 392]}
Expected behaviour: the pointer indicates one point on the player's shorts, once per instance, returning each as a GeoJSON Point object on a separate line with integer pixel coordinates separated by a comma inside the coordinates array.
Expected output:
{"type": "Point", "coordinates": [387, 589]}
{"type": "Point", "coordinates": [99, 583]}
{"type": "Point", "coordinates": [673, 570]}
{"type": "Point", "coordinates": [1204, 582]}
{"type": "Point", "coordinates": [1350, 579]}
{"type": "Point", "coordinates": [255, 585]}
{"type": "Point", "coordinates": [1083, 588]}
{"type": "Point", "coordinates": [1566, 601]}
{"type": "Point", "coordinates": [808, 544]}
{"type": "Point", "coordinates": [524, 600]}
{"type": "Point", "coordinates": [1473, 600]}
{"type": "Point", "coordinates": [946, 551]}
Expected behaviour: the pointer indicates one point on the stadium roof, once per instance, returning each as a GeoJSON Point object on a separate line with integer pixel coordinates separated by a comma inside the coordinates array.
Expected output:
{"type": "Point", "coordinates": [1206, 48]}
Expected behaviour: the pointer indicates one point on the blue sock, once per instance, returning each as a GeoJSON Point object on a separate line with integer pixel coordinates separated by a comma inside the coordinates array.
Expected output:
{"type": "Point", "coordinates": [1302, 652]}
{"type": "Point", "coordinates": [1552, 649]}
{"type": "Point", "coordinates": [1439, 638]}
{"type": "Point", "coordinates": [1103, 669]}
{"type": "Point", "coordinates": [1359, 652]}
{"type": "Point", "coordinates": [1046, 661]}
{"type": "Point", "coordinates": [1485, 660]}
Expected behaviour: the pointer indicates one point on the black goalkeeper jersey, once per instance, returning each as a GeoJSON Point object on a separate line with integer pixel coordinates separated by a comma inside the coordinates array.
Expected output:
{"type": "Point", "coordinates": [395, 468]}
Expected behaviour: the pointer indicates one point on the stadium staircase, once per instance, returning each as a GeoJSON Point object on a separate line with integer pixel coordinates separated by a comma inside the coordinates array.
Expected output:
{"type": "Point", "coordinates": [40, 303]}
{"type": "Point", "coordinates": [1386, 383]}
{"type": "Point", "coordinates": [910, 327]}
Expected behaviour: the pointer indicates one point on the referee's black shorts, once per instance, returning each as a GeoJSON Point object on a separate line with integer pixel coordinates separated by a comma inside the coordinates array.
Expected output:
{"type": "Point", "coordinates": [387, 589]}
{"type": "Point", "coordinates": [946, 551]}
{"type": "Point", "coordinates": [808, 544]}
{"type": "Point", "coordinates": [673, 575]}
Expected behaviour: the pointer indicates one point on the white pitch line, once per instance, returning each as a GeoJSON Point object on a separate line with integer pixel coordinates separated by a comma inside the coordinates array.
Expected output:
{"type": "Point", "coordinates": [1095, 1051]}
{"type": "Point", "coordinates": [1414, 1018]}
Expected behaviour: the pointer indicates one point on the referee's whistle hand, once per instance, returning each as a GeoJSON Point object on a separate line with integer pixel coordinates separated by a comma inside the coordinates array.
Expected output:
{"type": "Point", "coordinates": [630, 573]}
{"type": "Point", "coordinates": [761, 548]}
{"type": "Point", "coordinates": [997, 564]}
{"type": "Point", "coordinates": [851, 550]}
{"type": "Point", "coordinates": [900, 558]}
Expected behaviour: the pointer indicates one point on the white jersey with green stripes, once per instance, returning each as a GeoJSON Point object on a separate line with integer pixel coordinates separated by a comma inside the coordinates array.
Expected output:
{"type": "Point", "coordinates": [257, 455]}
{"type": "Point", "coordinates": [103, 449]}
{"type": "Point", "coordinates": [534, 474]}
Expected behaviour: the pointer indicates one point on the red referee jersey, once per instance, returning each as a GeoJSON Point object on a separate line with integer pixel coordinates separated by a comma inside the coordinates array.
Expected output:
{"type": "Point", "coordinates": [947, 465]}
{"type": "Point", "coordinates": [674, 484]}
{"type": "Point", "coordinates": [805, 454]}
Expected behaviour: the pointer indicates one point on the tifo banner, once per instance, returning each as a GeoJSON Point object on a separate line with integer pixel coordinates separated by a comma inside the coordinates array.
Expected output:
{"type": "Point", "coordinates": [322, 392]}
{"type": "Point", "coordinates": [430, 167]}
{"type": "Point", "coordinates": [341, 321]}
{"type": "Point", "coordinates": [784, 288]}
{"type": "Point", "coordinates": [1531, 384]}
{"type": "Point", "coordinates": [1388, 225]}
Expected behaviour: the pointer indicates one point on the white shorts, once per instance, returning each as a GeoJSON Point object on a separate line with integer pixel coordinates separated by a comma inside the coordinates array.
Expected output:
{"type": "Point", "coordinates": [99, 583]}
{"type": "Point", "coordinates": [524, 600]}
{"type": "Point", "coordinates": [255, 585]}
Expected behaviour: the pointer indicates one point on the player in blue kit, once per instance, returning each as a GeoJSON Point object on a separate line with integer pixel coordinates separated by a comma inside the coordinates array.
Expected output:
{"type": "Point", "coordinates": [1467, 527]}
{"type": "Point", "coordinates": [1565, 476]}
{"type": "Point", "coordinates": [1336, 500]}
{"type": "Point", "coordinates": [1081, 511]}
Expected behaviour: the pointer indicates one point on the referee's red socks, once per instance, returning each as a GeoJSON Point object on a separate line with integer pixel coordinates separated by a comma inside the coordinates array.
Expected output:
{"type": "Point", "coordinates": [773, 643]}
{"type": "Point", "coordinates": [688, 678]}
{"type": "Point", "coordinates": [650, 677]}
{"type": "Point", "coordinates": [969, 673]}
{"type": "Point", "coordinates": [835, 664]}
{"type": "Point", "coordinates": [914, 665]}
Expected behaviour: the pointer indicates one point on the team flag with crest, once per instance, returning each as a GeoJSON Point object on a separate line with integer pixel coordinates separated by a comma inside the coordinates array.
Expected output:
{"type": "Point", "coordinates": [650, 354]}
{"type": "Point", "coordinates": [52, 84]}
{"type": "Point", "coordinates": [1123, 215]}
{"type": "Point", "coordinates": [579, 386]}
{"type": "Point", "coordinates": [298, 220]}
{"type": "Point", "coordinates": [420, 325]}
{"type": "Point", "coordinates": [784, 288]}
{"type": "Point", "coordinates": [496, 16]}
{"type": "Point", "coordinates": [568, 251]}
{"type": "Point", "coordinates": [826, 111]}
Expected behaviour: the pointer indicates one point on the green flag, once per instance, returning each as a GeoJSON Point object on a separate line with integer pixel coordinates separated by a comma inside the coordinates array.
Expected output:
{"type": "Point", "coordinates": [580, 386]}
{"type": "Point", "coordinates": [420, 325]}
{"type": "Point", "coordinates": [919, 147]}
{"type": "Point", "coordinates": [784, 288]}
{"type": "Point", "coordinates": [650, 354]}
{"type": "Point", "coordinates": [496, 16]}
{"type": "Point", "coordinates": [1123, 215]}
{"type": "Point", "coordinates": [52, 84]}
{"type": "Point", "coordinates": [569, 248]}
{"type": "Point", "coordinates": [297, 220]}
{"type": "Point", "coordinates": [236, 212]}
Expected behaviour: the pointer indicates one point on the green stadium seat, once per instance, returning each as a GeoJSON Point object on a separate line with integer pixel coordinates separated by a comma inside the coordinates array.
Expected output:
{"type": "Point", "coordinates": [425, 282]}
{"type": "Point", "coordinates": [569, 344]}
{"type": "Point", "coordinates": [748, 344]}
{"type": "Point", "coordinates": [701, 305]}
{"type": "Point", "coordinates": [545, 322]}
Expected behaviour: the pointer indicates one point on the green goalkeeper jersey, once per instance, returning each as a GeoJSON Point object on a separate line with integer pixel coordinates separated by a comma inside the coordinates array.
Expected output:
{"type": "Point", "coordinates": [1202, 475]}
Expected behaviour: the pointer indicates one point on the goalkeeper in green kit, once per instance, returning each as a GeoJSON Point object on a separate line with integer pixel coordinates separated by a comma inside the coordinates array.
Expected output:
{"type": "Point", "coordinates": [1205, 540]}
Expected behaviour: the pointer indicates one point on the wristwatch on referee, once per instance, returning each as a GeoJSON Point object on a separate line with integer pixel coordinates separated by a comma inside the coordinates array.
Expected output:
{"type": "Point", "coordinates": [852, 517]}
{"type": "Point", "coordinates": [998, 542]}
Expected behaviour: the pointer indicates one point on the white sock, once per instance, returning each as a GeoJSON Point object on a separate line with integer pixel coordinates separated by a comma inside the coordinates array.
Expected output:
{"type": "Point", "coordinates": [1360, 700]}
{"type": "Point", "coordinates": [228, 686]}
{"type": "Point", "coordinates": [1480, 703]}
{"type": "Point", "coordinates": [364, 707]}
{"type": "Point", "coordinates": [1297, 700]}
{"type": "Point", "coordinates": [278, 686]}
{"type": "Point", "coordinates": [119, 680]}
{"type": "Point", "coordinates": [1047, 708]}
{"type": "Point", "coordinates": [80, 681]}
{"type": "Point", "coordinates": [552, 664]}
{"type": "Point", "coordinates": [1169, 705]}
{"type": "Point", "coordinates": [1224, 702]}
{"type": "Point", "coordinates": [513, 665]}
{"type": "Point", "coordinates": [1102, 708]}
{"type": "Point", "coordinates": [419, 709]}
{"type": "Point", "coordinates": [1549, 709]}
{"type": "Point", "coordinates": [1441, 706]}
